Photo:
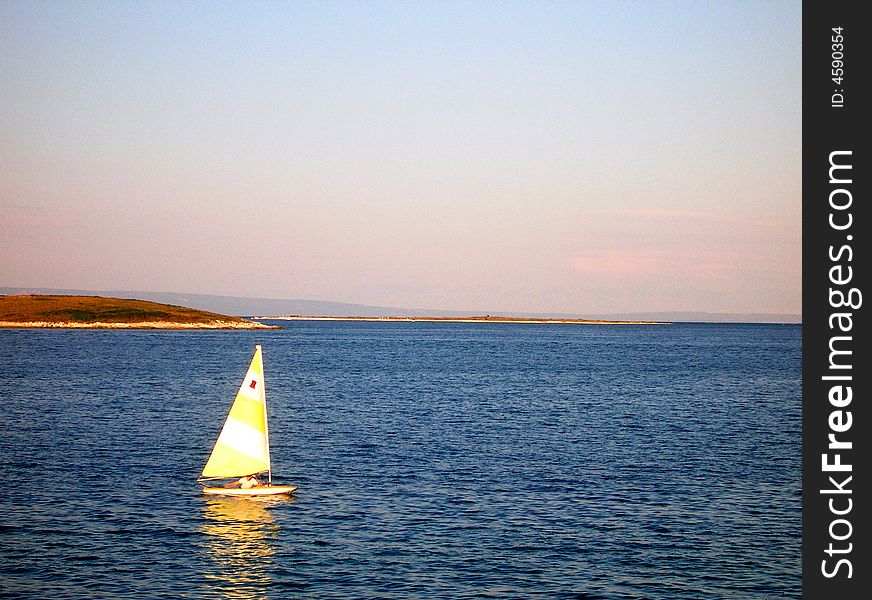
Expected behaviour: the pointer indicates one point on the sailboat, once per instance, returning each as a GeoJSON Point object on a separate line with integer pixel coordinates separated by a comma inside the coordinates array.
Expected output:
{"type": "Point", "coordinates": [242, 447]}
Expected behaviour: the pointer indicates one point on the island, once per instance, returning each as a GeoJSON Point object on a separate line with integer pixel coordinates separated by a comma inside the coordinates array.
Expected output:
{"type": "Point", "coordinates": [97, 312]}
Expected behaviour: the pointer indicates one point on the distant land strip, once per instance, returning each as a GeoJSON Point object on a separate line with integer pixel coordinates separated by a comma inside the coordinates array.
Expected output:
{"type": "Point", "coordinates": [93, 312]}
{"type": "Point", "coordinates": [239, 305]}
{"type": "Point", "coordinates": [471, 319]}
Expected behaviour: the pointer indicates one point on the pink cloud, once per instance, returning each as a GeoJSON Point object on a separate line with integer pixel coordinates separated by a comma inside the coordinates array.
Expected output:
{"type": "Point", "coordinates": [624, 262]}
{"type": "Point", "coordinates": [639, 263]}
{"type": "Point", "coordinates": [16, 215]}
{"type": "Point", "coordinates": [665, 214]}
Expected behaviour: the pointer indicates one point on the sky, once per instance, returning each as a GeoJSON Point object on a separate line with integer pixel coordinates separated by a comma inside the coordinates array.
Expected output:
{"type": "Point", "coordinates": [574, 157]}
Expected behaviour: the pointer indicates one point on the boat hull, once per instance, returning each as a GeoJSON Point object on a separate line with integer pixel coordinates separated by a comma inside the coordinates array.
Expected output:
{"type": "Point", "coordinates": [264, 490]}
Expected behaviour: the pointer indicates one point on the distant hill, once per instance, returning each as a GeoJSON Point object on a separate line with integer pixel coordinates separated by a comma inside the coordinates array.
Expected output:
{"type": "Point", "coordinates": [236, 305]}
{"type": "Point", "coordinates": [101, 312]}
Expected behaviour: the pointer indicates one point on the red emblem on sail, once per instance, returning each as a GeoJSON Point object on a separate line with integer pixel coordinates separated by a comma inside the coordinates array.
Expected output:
{"type": "Point", "coordinates": [253, 384]}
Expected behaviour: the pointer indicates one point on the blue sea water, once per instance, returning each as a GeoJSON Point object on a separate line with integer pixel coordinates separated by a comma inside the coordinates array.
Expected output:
{"type": "Point", "coordinates": [434, 460]}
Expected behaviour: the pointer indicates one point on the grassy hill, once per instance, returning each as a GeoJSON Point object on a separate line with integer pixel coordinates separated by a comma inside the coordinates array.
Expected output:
{"type": "Point", "coordinates": [95, 311]}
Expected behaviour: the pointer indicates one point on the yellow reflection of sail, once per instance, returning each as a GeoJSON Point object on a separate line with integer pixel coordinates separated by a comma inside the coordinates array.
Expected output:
{"type": "Point", "coordinates": [239, 534]}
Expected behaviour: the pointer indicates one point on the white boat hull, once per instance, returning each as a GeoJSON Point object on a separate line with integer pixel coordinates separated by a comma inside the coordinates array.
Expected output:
{"type": "Point", "coordinates": [264, 490]}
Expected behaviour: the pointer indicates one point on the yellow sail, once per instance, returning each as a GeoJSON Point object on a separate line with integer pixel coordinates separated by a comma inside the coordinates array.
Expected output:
{"type": "Point", "coordinates": [243, 446]}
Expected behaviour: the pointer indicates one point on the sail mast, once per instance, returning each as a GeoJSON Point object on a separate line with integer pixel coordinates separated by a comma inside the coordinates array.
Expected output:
{"type": "Point", "coordinates": [265, 420]}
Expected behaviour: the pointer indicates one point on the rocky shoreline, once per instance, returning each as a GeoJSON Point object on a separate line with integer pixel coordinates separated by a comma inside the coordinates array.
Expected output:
{"type": "Point", "coordinates": [35, 311]}
{"type": "Point", "coordinates": [134, 325]}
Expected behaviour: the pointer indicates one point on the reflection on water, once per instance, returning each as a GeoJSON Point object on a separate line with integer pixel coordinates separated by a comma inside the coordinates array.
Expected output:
{"type": "Point", "coordinates": [239, 540]}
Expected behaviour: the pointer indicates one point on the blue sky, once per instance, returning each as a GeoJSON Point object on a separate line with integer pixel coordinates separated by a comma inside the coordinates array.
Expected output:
{"type": "Point", "coordinates": [516, 156]}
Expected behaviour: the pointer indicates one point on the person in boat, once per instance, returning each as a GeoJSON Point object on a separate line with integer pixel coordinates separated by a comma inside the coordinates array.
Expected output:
{"type": "Point", "coordinates": [246, 482]}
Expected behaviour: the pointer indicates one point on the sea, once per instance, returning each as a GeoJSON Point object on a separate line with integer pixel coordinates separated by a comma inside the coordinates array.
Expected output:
{"type": "Point", "coordinates": [434, 460]}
